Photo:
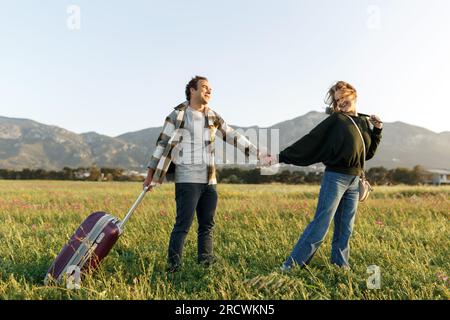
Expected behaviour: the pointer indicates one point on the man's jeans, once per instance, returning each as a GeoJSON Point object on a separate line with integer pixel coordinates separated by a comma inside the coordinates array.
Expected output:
{"type": "Point", "coordinates": [338, 198]}
{"type": "Point", "coordinates": [191, 197]}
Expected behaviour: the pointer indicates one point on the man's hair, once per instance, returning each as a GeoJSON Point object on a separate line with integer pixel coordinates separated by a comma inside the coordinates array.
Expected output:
{"type": "Point", "coordinates": [193, 84]}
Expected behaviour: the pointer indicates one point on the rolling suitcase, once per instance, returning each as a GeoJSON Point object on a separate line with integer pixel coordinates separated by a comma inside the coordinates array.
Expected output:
{"type": "Point", "coordinates": [90, 243]}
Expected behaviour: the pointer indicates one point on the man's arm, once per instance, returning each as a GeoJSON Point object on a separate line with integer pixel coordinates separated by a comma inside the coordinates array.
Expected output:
{"type": "Point", "coordinates": [163, 140]}
{"type": "Point", "coordinates": [161, 144]}
{"type": "Point", "coordinates": [235, 139]}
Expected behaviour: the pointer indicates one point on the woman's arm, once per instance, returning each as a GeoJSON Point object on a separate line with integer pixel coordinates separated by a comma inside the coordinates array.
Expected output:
{"type": "Point", "coordinates": [310, 149]}
{"type": "Point", "coordinates": [375, 136]}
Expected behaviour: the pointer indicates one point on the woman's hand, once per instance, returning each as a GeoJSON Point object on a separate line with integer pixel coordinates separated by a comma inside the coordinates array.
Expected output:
{"type": "Point", "coordinates": [375, 120]}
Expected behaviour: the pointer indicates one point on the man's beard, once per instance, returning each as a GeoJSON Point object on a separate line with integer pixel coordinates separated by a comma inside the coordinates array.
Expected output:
{"type": "Point", "coordinates": [204, 101]}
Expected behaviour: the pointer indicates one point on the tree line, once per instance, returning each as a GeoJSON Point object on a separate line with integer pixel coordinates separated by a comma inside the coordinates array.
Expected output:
{"type": "Point", "coordinates": [376, 175]}
{"type": "Point", "coordinates": [78, 174]}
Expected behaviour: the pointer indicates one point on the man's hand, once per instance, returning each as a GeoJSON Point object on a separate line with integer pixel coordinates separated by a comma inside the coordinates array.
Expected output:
{"type": "Point", "coordinates": [148, 179]}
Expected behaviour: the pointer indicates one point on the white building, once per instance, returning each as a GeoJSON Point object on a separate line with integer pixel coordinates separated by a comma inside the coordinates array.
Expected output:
{"type": "Point", "coordinates": [437, 176]}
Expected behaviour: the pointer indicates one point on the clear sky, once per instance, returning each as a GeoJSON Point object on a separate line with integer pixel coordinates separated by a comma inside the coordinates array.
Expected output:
{"type": "Point", "coordinates": [126, 63]}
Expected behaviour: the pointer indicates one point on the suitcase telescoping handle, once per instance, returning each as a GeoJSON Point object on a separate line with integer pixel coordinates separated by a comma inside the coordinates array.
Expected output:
{"type": "Point", "coordinates": [133, 207]}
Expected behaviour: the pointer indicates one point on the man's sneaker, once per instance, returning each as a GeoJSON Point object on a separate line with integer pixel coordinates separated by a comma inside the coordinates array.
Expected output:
{"type": "Point", "coordinates": [208, 262]}
{"type": "Point", "coordinates": [173, 268]}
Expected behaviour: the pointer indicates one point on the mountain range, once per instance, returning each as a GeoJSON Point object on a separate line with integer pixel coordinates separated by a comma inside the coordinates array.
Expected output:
{"type": "Point", "coordinates": [28, 144]}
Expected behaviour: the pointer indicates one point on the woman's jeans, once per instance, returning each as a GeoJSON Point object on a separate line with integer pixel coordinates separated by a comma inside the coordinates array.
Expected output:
{"type": "Point", "coordinates": [191, 197]}
{"type": "Point", "coordinates": [338, 198]}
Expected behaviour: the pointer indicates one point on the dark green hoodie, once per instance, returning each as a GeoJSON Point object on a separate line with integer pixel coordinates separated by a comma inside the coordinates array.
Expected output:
{"type": "Point", "coordinates": [335, 142]}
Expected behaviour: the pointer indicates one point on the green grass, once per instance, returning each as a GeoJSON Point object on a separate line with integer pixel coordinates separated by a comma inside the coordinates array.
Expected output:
{"type": "Point", "coordinates": [403, 230]}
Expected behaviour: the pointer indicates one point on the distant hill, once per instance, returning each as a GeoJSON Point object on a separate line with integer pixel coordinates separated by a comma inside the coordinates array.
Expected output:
{"type": "Point", "coordinates": [29, 144]}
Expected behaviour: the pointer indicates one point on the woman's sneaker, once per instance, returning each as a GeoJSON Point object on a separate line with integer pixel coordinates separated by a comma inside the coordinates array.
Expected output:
{"type": "Point", "coordinates": [285, 269]}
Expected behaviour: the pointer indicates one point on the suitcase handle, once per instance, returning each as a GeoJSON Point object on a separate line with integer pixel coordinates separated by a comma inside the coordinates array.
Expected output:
{"type": "Point", "coordinates": [121, 225]}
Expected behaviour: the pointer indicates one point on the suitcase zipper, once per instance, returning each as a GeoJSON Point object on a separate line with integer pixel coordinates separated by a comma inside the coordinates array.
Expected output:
{"type": "Point", "coordinates": [85, 245]}
{"type": "Point", "coordinates": [95, 243]}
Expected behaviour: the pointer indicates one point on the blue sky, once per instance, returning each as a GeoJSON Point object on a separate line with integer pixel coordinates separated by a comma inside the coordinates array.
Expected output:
{"type": "Point", "coordinates": [267, 61]}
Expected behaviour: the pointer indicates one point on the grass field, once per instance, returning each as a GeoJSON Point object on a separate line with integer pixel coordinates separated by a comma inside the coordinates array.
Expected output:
{"type": "Point", "coordinates": [403, 230]}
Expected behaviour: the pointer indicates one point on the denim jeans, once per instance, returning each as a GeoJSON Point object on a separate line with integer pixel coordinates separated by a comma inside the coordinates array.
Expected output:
{"type": "Point", "coordinates": [191, 197]}
{"type": "Point", "coordinates": [338, 198]}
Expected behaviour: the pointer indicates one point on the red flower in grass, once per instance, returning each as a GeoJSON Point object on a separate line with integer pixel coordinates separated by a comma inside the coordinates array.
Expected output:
{"type": "Point", "coordinates": [442, 277]}
{"type": "Point", "coordinates": [379, 222]}
{"type": "Point", "coordinates": [163, 213]}
{"type": "Point", "coordinates": [76, 206]}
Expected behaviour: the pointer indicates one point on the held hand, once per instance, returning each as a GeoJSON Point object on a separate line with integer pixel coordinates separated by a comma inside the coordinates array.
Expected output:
{"type": "Point", "coordinates": [375, 120]}
{"type": "Point", "coordinates": [267, 160]}
{"type": "Point", "coordinates": [262, 155]}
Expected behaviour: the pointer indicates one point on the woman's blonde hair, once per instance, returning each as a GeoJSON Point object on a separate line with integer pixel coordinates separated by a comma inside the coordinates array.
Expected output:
{"type": "Point", "coordinates": [346, 88]}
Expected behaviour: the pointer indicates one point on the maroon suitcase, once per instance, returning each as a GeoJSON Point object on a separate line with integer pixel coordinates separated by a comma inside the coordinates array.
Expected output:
{"type": "Point", "coordinates": [90, 243]}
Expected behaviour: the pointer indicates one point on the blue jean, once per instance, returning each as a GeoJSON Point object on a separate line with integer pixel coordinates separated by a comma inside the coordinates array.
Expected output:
{"type": "Point", "coordinates": [338, 198]}
{"type": "Point", "coordinates": [192, 197]}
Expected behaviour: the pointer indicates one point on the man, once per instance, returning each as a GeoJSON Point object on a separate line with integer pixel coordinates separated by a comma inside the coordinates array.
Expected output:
{"type": "Point", "coordinates": [187, 140]}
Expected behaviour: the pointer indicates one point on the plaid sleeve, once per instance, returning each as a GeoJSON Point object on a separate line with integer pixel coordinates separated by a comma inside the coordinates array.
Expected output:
{"type": "Point", "coordinates": [163, 139]}
{"type": "Point", "coordinates": [234, 138]}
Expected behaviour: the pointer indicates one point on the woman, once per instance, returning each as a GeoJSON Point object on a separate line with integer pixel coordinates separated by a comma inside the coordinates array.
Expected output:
{"type": "Point", "coordinates": [337, 143]}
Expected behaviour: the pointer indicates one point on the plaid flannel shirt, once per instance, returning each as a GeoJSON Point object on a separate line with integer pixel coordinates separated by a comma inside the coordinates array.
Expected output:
{"type": "Point", "coordinates": [171, 134]}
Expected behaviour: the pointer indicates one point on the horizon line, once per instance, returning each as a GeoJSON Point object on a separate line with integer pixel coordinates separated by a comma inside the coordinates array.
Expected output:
{"type": "Point", "coordinates": [232, 125]}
